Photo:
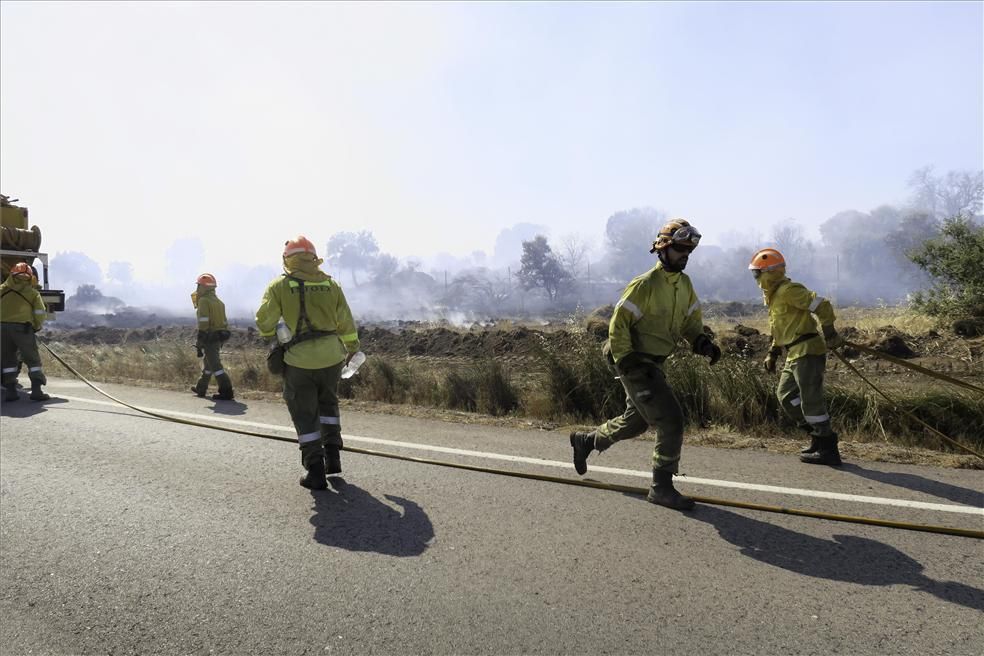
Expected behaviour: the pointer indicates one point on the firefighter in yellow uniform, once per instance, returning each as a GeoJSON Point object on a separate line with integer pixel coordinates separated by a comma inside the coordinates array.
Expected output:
{"type": "Point", "coordinates": [323, 339]}
{"type": "Point", "coordinates": [656, 310]}
{"type": "Point", "coordinates": [22, 312]}
{"type": "Point", "coordinates": [794, 330]}
{"type": "Point", "coordinates": [213, 332]}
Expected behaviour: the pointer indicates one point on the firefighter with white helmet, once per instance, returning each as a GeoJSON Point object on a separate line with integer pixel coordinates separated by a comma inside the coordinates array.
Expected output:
{"type": "Point", "coordinates": [793, 314]}
{"type": "Point", "coordinates": [656, 310]}
{"type": "Point", "coordinates": [213, 332]}
{"type": "Point", "coordinates": [323, 339]}
{"type": "Point", "coordinates": [22, 313]}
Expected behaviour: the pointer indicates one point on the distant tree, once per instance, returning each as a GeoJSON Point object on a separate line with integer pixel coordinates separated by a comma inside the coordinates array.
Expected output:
{"type": "Point", "coordinates": [480, 289]}
{"type": "Point", "coordinates": [841, 230]}
{"type": "Point", "coordinates": [121, 272]}
{"type": "Point", "coordinates": [958, 193]}
{"type": "Point", "coordinates": [913, 230]}
{"type": "Point", "coordinates": [573, 254]}
{"type": "Point", "coordinates": [383, 267]}
{"type": "Point", "coordinates": [540, 269]}
{"type": "Point", "coordinates": [954, 261]}
{"type": "Point", "coordinates": [788, 237]}
{"type": "Point", "coordinates": [352, 251]}
{"type": "Point", "coordinates": [629, 235]}
{"type": "Point", "coordinates": [509, 241]}
{"type": "Point", "coordinates": [89, 298]}
{"type": "Point", "coordinates": [73, 268]}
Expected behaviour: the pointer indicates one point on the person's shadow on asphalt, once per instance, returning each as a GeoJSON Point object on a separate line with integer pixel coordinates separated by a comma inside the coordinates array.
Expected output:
{"type": "Point", "coordinates": [917, 483]}
{"type": "Point", "coordinates": [25, 408]}
{"type": "Point", "coordinates": [845, 558]}
{"type": "Point", "coordinates": [229, 408]}
{"type": "Point", "coordinates": [350, 518]}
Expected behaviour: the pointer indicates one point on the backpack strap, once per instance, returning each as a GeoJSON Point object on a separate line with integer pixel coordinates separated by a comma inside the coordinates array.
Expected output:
{"type": "Point", "coordinates": [303, 317]}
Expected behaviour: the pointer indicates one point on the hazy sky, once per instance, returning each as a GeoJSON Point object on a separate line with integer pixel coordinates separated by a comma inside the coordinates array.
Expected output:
{"type": "Point", "coordinates": [126, 127]}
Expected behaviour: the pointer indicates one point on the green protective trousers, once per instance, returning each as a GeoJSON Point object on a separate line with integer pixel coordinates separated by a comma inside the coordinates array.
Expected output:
{"type": "Point", "coordinates": [649, 403]}
{"type": "Point", "coordinates": [212, 366]}
{"type": "Point", "coordinates": [800, 393]}
{"type": "Point", "coordinates": [312, 400]}
{"type": "Point", "coordinates": [19, 338]}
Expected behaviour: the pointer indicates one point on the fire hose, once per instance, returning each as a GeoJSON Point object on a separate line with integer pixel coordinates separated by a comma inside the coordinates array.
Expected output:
{"type": "Point", "coordinates": [626, 489]}
{"type": "Point", "coordinates": [914, 367]}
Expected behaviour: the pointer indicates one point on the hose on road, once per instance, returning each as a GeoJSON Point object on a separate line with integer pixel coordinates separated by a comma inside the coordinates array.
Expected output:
{"type": "Point", "coordinates": [625, 489]}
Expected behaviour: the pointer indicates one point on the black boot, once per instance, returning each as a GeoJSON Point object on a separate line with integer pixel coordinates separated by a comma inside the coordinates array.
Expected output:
{"type": "Point", "coordinates": [333, 459]}
{"type": "Point", "coordinates": [826, 453]}
{"type": "Point", "coordinates": [225, 387]}
{"type": "Point", "coordinates": [814, 444]}
{"type": "Point", "coordinates": [313, 460]}
{"type": "Point", "coordinates": [662, 493]}
{"type": "Point", "coordinates": [37, 394]}
{"type": "Point", "coordinates": [10, 392]}
{"type": "Point", "coordinates": [583, 444]}
{"type": "Point", "coordinates": [200, 389]}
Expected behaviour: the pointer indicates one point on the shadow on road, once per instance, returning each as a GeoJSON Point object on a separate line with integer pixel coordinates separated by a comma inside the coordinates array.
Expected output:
{"type": "Point", "coordinates": [229, 408]}
{"type": "Point", "coordinates": [920, 484]}
{"type": "Point", "coordinates": [26, 408]}
{"type": "Point", "coordinates": [350, 518]}
{"type": "Point", "coordinates": [845, 558]}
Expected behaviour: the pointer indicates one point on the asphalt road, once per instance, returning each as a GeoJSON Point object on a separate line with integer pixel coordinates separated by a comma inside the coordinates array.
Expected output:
{"type": "Point", "coordinates": [121, 534]}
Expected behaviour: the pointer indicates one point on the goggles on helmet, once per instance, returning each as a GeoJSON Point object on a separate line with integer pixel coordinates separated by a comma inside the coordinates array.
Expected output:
{"type": "Point", "coordinates": [685, 235]}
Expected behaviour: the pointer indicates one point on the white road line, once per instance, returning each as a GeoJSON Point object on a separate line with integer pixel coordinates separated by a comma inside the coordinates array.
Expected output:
{"type": "Point", "coordinates": [775, 489]}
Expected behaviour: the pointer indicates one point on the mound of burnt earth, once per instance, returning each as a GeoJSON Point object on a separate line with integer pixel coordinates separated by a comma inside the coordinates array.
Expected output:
{"type": "Point", "coordinates": [744, 342]}
{"type": "Point", "coordinates": [969, 327]}
{"type": "Point", "coordinates": [889, 340]}
{"type": "Point", "coordinates": [745, 331]}
{"type": "Point", "coordinates": [596, 323]}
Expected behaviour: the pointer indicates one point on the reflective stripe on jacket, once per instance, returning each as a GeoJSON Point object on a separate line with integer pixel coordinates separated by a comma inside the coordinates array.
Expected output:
{"type": "Point", "coordinates": [21, 303]}
{"type": "Point", "coordinates": [326, 309]}
{"type": "Point", "coordinates": [656, 310]}
{"type": "Point", "coordinates": [791, 310]}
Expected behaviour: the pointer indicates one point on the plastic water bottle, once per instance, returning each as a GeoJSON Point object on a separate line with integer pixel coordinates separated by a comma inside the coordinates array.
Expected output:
{"type": "Point", "coordinates": [353, 366]}
{"type": "Point", "coordinates": [283, 333]}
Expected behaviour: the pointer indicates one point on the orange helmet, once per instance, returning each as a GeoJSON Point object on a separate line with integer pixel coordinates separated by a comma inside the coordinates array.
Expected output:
{"type": "Point", "coordinates": [206, 280]}
{"type": "Point", "coordinates": [21, 269]}
{"type": "Point", "coordinates": [767, 259]}
{"type": "Point", "coordinates": [299, 244]}
{"type": "Point", "coordinates": [677, 231]}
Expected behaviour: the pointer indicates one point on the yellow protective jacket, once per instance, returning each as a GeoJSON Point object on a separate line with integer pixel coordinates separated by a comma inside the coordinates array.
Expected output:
{"type": "Point", "coordinates": [211, 312]}
{"type": "Point", "coordinates": [791, 315]}
{"type": "Point", "coordinates": [326, 309]}
{"type": "Point", "coordinates": [21, 303]}
{"type": "Point", "coordinates": [656, 310]}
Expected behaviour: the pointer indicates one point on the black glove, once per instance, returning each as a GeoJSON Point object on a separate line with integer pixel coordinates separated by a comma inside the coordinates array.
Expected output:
{"type": "Point", "coordinates": [629, 362]}
{"type": "Point", "coordinates": [770, 360]}
{"type": "Point", "coordinates": [606, 352]}
{"type": "Point", "coordinates": [834, 341]}
{"type": "Point", "coordinates": [704, 346]}
{"type": "Point", "coordinates": [200, 351]}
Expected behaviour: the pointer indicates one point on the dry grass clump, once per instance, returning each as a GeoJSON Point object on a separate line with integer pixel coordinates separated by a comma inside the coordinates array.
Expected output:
{"type": "Point", "coordinates": [486, 388]}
